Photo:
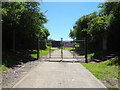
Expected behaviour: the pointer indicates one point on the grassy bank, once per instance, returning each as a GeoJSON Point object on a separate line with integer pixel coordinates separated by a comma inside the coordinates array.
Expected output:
{"type": "Point", "coordinates": [11, 59]}
{"type": "Point", "coordinates": [106, 71]}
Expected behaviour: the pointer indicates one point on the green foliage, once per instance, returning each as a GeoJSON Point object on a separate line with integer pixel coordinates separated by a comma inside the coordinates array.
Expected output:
{"type": "Point", "coordinates": [72, 34]}
{"type": "Point", "coordinates": [80, 29]}
{"type": "Point", "coordinates": [90, 55]}
{"type": "Point", "coordinates": [22, 23]}
{"type": "Point", "coordinates": [3, 68]}
{"type": "Point", "coordinates": [114, 61]}
{"type": "Point", "coordinates": [98, 27]}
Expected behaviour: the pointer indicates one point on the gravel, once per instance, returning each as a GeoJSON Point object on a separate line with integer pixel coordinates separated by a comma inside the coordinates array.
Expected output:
{"type": "Point", "coordinates": [13, 75]}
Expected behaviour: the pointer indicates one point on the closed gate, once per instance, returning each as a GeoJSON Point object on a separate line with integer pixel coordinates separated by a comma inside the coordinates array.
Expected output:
{"type": "Point", "coordinates": [65, 49]}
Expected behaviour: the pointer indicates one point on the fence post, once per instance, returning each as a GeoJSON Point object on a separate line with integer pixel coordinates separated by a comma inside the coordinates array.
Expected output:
{"type": "Point", "coordinates": [86, 59]}
{"type": "Point", "coordinates": [73, 48]}
{"type": "Point", "coordinates": [50, 49]}
{"type": "Point", "coordinates": [38, 47]}
{"type": "Point", "coordinates": [61, 47]}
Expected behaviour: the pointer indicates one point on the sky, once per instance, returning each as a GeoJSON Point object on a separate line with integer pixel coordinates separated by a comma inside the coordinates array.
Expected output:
{"type": "Point", "coordinates": [63, 15]}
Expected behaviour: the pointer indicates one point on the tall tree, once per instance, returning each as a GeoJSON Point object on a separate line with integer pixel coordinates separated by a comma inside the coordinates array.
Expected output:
{"type": "Point", "coordinates": [21, 24]}
{"type": "Point", "coordinates": [102, 28]}
{"type": "Point", "coordinates": [80, 30]}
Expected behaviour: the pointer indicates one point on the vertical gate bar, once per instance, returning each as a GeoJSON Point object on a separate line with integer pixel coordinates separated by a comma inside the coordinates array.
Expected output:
{"type": "Point", "coordinates": [61, 48]}
{"type": "Point", "coordinates": [50, 49]}
{"type": "Point", "coordinates": [73, 49]}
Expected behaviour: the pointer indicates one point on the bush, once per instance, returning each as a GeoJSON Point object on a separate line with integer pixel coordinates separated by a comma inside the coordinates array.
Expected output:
{"type": "Point", "coordinates": [115, 61]}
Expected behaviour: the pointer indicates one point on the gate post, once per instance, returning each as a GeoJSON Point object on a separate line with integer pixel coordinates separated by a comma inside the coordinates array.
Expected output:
{"type": "Point", "coordinates": [50, 49]}
{"type": "Point", "coordinates": [38, 47]}
{"type": "Point", "coordinates": [73, 48]}
{"type": "Point", "coordinates": [86, 59]}
{"type": "Point", "coordinates": [61, 47]}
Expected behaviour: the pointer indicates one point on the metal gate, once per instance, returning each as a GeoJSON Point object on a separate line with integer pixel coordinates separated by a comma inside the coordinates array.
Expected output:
{"type": "Point", "coordinates": [66, 49]}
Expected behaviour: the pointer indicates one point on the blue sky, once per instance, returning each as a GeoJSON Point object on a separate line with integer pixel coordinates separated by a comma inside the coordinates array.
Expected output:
{"type": "Point", "coordinates": [63, 15]}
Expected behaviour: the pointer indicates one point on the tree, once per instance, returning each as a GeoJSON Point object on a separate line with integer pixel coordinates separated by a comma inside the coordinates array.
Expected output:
{"type": "Point", "coordinates": [72, 34]}
{"type": "Point", "coordinates": [101, 28]}
{"type": "Point", "coordinates": [111, 9]}
{"type": "Point", "coordinates": [21, 25]}
{"type": "Point", "coordinates": [80, 30]}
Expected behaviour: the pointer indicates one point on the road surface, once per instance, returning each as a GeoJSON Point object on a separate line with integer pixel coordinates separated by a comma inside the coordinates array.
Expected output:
{"type": "Point", "coordinates": [59, 75]}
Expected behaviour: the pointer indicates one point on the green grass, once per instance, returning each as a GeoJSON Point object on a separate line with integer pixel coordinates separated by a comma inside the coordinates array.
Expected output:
{"type": "Point", "coordinates": [3, 68]}
{"type": "Point", "coordinates": [59, 48]}
{"type": "Point", "coordinates": [103, 70]}
{"type": "Point", "coordinates": [48, 47]}
{"type": "Point", "coordinates": [68, 48]}
{"type": "Point", "coordinates": [54, 47]}
{"type": "Point", "coordinates": [42, 52]}
{"type": "Point", "coordinates": [90, 55]}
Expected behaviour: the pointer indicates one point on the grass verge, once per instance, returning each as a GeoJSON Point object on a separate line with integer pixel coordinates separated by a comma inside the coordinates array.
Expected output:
{"type": "Point", "coordinates": [68, 48]}
{"type": "Point", "coordinates": [42, 52]}
{"type": "Point", "coordinates": [106, 70]}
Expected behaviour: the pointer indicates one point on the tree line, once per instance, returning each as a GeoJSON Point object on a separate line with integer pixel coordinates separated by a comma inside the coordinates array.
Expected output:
{"type": "Point", "coordinates": [22, 24]}
{"type": "Point", "coordinates": [102, 29]}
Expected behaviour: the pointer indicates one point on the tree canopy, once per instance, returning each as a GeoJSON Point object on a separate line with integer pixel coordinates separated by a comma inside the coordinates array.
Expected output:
{"type": "Point", "coordinates": [99, 25]}
{"type": "Point", "coordinates": [22, 23]}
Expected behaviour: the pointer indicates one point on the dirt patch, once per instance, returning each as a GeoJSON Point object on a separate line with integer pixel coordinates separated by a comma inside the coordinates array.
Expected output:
{"type": "Point", "coordinates": [110, 82]}
{"type": "Point", "coordinates": [13, 75]}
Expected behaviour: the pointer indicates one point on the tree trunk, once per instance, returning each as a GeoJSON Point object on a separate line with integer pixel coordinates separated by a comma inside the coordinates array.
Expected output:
{"type": "Point", "coordinates": [104, 43]}
{"type": "Point", "coordinates": [13, 40]}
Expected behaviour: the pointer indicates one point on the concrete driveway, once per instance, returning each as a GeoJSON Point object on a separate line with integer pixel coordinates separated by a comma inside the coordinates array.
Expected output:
{"type": "Point", "coordinates": [59, 75]}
